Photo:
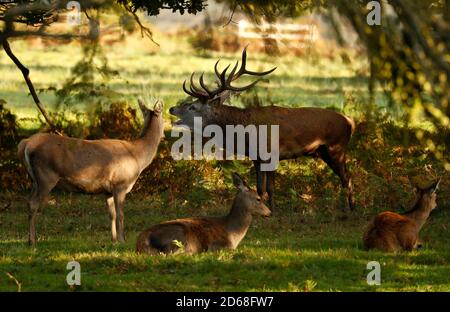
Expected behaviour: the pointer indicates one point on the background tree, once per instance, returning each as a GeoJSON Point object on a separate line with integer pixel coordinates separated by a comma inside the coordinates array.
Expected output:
{"type": "Point", "coordinates": [409, 53]}
{"type": "Point", "coordinates": [21, 18]}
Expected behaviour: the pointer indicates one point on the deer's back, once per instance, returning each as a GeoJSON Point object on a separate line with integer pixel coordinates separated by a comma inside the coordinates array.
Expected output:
{"type": "Point", "coordinates": [303, 130]}
{"type": "Point", "coordinates": [195, 235]}
{"type": "Point", "coordinates": [89, 165]}
{"type": "Point", "coordinates": [390, 231]}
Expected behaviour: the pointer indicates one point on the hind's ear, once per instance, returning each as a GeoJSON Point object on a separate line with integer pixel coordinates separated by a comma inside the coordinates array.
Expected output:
{"type": "Point", "coordinates": [239, 182]}
{"type": "Point", "coordinates": [142, 105]}
{"type": "Point", "coordinates": [158, 107]}
{"type": "Point", "coordinates": [434, 186]}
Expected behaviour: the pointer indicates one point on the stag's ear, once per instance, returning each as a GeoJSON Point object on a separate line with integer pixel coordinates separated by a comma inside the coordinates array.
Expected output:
{"type": "Point", "coordinates": [158, 108]}
{"type": "Point", "coordinates": [239, 182]}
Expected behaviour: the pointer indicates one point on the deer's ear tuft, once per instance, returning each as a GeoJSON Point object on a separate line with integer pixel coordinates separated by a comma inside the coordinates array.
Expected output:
{"type": "Point", "coordinates": [434, 186]}
{"type": "Point", "coordinates": [142, 104]}
{"type": "Point", "coordinates": [239, 182]}
{"type": "Point", "coordinates": [158, 108]}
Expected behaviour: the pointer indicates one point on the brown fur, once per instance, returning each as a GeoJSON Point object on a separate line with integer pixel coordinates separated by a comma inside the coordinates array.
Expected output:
{"type": "Point", "coordinates": [306, 131]}
{"type": "Point", "coordinates": [89, 166]}
{"type": "Point", "coordinates": [390, 231]}
{"type": "Point", "coordinates": [205, 234]}
{"type": "Point", "coordinates": [202, 234]}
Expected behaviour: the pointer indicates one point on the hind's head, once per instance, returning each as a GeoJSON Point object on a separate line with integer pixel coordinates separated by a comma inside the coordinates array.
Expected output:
{"type": "Point", "coordinates": [249, 198]}
{"type": "Point", "coordinates": [427, 196]}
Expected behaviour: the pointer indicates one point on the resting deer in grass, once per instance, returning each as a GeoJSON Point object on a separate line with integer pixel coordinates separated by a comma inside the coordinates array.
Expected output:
{"type": "Point", "coordinates": [195, 235]}
{"type": "Point", "coordinates": [390, 231]}
{"type": "Point", "coordinates": [306, 131]}
{"type": "Point", "coordinates": [90, 166]}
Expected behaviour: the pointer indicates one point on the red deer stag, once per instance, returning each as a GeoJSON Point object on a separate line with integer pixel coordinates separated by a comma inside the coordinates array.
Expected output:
{"type": "Point", "coordinates": [390, 231]}
{"type": "Point", "coordinates": [90, 166]}
{"type": "Point", "coordinates": [195, 235]}
{"type": "Point", "coordinates": [307, 131]}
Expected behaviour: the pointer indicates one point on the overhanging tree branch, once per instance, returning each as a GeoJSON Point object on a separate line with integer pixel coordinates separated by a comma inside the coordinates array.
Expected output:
{"type": "Point", "coordinates": [26, 75]}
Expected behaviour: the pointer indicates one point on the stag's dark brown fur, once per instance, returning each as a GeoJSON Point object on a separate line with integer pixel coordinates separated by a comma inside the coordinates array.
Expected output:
{"type": "Point", "coordinates": [303, 131]}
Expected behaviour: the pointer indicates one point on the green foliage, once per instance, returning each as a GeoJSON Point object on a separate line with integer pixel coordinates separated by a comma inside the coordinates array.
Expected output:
{"type": "Point", "coordinates": [8, 126]}
{"type": "Point", "coordinates": [89, 79]}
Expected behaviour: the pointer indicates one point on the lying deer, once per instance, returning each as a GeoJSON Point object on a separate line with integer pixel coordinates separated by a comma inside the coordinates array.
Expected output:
{"type": "Point", "coordinates": [390, 231]}
{"type": "Point", "coordinates": [90, 166]}
{"type": "Point", "coordinates": [196, 235]}
{"type": "Point", "coordinates": [306, 131]}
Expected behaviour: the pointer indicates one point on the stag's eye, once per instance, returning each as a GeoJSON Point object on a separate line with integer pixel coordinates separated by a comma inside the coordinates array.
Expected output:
{"type": "Point", "coordinates": [191, 108]}
{"type": "Point", "coordinates": [258, 199]}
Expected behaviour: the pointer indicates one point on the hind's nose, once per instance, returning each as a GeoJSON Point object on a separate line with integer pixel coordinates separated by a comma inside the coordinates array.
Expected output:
{"type": "Point", "coordinates": [171, 110]}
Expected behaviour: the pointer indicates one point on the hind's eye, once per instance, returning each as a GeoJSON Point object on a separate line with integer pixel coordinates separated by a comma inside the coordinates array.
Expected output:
{"type": "Point", "coordinates": [258, 199]}
{"type": "Point", "coordinates": [191, 108]}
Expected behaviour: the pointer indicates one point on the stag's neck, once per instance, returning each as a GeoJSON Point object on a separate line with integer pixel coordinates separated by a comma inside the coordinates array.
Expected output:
{"type": "Point", "coordinates": [419, 213]}
{"type": "Point", "coordinates": [146, 146]}
{"type": "Point", "coordinates": [237, 223]}
{"type": "Point", "coordinates": [223, 115]}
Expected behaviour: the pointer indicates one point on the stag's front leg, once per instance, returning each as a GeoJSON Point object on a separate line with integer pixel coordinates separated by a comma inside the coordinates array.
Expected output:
{"type": "Point", "coordinates": [112, 212]}
{"type": "Point", "coordinates": [119, 199]}
{"type": "Point", "coordinates": [271, 188]}
{"type": "Point", "coordinates": [260, 179]}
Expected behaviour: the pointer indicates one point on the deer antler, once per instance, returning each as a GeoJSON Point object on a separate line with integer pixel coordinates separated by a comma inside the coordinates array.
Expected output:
{"type": "Point", "coordinates": [224, 82]}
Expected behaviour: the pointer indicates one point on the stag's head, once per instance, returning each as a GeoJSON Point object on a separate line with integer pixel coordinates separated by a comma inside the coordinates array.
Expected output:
{"type": "Point", "coordinates": [202, 98]}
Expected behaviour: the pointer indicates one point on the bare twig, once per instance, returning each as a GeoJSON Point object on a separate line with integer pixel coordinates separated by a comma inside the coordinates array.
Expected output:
{"type": "Point", "coordinates": [230, 20]}
{"type": "Point", "coordinates": [145, 31]}
{"type": "Point", "coordinates": [19, 285]}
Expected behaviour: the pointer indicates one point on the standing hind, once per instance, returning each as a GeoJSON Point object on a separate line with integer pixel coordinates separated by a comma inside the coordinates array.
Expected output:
{"type": "Point", "coordinates": [90, 166]}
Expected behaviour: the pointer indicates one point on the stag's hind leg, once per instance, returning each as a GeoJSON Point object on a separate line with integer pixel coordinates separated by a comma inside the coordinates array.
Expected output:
{"type": "Point", "coordinates": [335, 158]}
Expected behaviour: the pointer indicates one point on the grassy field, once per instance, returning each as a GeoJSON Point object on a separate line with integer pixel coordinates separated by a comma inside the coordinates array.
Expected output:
{"type": "Point", "coordinates": [288, 252]}
{"type": "Point", "coordinates": [308, 245]}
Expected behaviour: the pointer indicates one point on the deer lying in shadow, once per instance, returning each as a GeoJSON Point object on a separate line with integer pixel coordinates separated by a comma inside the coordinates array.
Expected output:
{"type": "Point", "coordinates": [391, 232]}
{"type": "Point", "coordinates": [196, 235]}
{"type": "Point", "coordinates": [90, 166]}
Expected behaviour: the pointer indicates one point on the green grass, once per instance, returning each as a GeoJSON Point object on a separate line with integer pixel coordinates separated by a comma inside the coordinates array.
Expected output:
{"type": "Point", "coordinates": [308, 245]}
{"type": "Point", "coordinates": [159, 72]}
{"type": "Point", "coordinates": [288, 252]}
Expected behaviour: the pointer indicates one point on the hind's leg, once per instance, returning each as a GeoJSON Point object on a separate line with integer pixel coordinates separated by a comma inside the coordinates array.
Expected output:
{"type": "Point", "coordinates": [119, 199]}
{"type": "Point", "coordinates": [33, 207]}
{"type": "Point", "coordinates": [112, 212]}
{"type": "Point", "coordinates": [38, 199]}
